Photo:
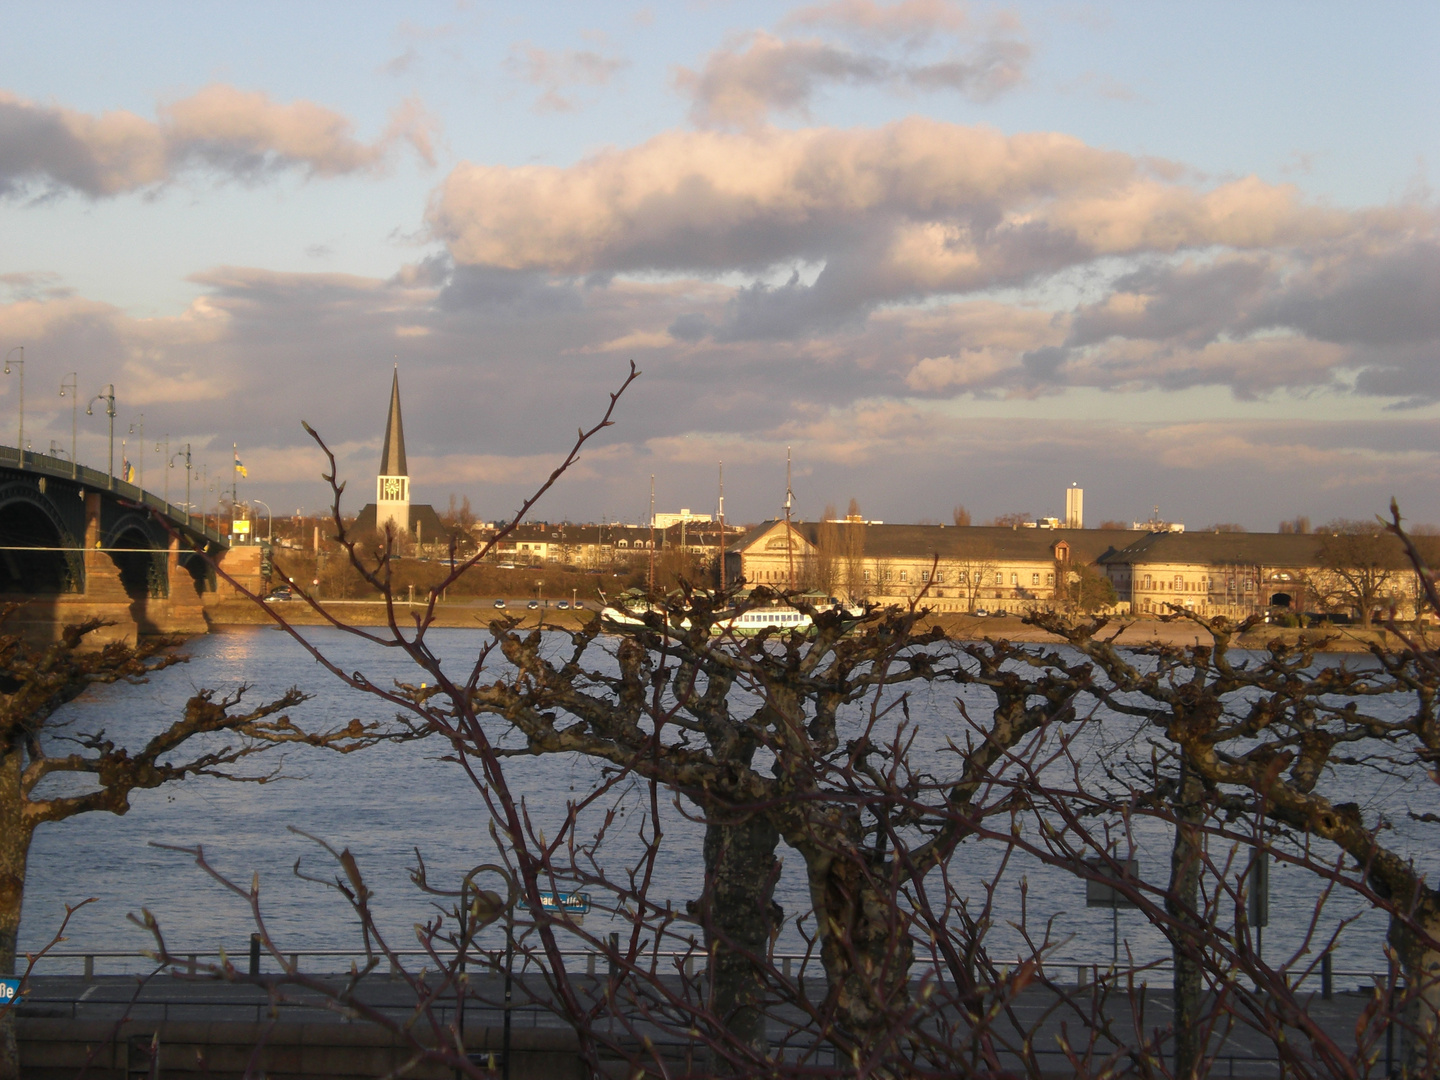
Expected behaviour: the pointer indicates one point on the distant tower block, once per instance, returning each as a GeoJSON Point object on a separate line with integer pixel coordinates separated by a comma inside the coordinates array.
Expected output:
{"type": "Point", "coordinates": [392, 486]}
{"type": "Point", "coordinates": [1074, 506]}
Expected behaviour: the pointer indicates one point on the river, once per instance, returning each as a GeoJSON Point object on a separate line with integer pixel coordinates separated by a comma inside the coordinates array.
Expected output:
{"type": "Point", "coordinates": [385, 802]}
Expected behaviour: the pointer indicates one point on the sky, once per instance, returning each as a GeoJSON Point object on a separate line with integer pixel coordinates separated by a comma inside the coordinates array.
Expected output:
{"type": "Point", "coordinates": [1186, 256]}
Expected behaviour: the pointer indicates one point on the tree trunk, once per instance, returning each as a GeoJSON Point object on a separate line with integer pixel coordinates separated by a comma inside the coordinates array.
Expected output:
{"type": "Point", "coordinates": [14, 847]}
{"type": "Point", "coordinates": [1182, 902]}
{"type": "Point", "coordinates": [1420, 963]}
{"type": "Point", "coordinates": [739, 918]}
{"type": "Point", "coordinates": [864, 937]}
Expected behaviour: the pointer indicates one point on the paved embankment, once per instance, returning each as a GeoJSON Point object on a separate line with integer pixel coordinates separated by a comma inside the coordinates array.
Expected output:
{"type": "Point", "coordinates": [107, 1027]}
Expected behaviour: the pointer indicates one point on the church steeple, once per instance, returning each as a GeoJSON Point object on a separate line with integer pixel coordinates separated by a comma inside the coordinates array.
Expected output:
{"type": "Point", "coordinates": [392, 486]}
{"type": "Point", "coordinates": [392, 456]}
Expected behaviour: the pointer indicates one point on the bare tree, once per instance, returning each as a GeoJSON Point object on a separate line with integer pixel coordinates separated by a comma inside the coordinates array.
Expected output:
{"type": "Point", "coordinates": [974, 568]}
{"type": "Point", "coordinates": [1010, 520]}
{"type": "Point", "coordinates": [1361, 568]}
{"type": "Point", "coordinates": [960, 516]}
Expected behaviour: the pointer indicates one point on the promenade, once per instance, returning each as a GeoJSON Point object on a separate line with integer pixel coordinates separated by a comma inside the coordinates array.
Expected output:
{"type": "Point", "coordinates": [110, 1026]}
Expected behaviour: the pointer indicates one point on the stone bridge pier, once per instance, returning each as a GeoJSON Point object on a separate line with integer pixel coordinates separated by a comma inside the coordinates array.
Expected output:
{"type": "Point", "coordinates": [76, 546]}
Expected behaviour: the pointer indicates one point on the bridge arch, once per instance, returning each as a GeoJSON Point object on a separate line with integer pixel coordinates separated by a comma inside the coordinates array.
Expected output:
{"type": "Point", "coordinates": [139, 555]}
{"type": "Point", "coordinates": [29, 521]}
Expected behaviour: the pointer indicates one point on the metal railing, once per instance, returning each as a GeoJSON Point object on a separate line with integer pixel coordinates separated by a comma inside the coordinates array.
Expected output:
{"type": "Point", "coordinates": [60, 469]}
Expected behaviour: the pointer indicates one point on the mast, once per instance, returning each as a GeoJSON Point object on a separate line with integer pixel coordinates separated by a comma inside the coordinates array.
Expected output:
{"type": "Point", "coordinates": [652, 534]}
{"type": "Point", "coordinates": [722, 527]}
{"type": "Point", "coordinates": [789, 537]}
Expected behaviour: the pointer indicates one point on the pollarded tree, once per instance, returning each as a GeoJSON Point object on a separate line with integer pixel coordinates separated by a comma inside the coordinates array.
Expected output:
{"type": "Point", "coordinates": [35, 682]}
{"type": "Point", "coordinates": [1269, 733]}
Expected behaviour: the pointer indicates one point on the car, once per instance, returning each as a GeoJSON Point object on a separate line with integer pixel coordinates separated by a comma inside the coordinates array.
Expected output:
{"type": "Point", "coordinates": [279, 594]}
{"type": "Point", "coordinates": [998, 614]}
{"type": "Point", "coordinates": [982, 613]}
{"type": "Point", "coordinates": [563, 605]}
{"type": "Point", "coordinates": [500, 603]}
{"type": "Point", "coordinates": [533, 604]}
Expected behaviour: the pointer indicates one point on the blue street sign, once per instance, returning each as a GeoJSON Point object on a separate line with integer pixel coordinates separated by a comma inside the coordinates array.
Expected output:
{"type": "Point", "coordinates": [10, 989]}
{"type": "Point", "coordinates": [569, 903]}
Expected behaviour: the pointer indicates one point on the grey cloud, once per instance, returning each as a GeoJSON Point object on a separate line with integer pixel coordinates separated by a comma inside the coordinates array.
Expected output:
{"type": "Point", "coordinates": [516, 294]}
{"type": "Point", "coordinates": [1380, 298]}
{"type": "Point", "coordinates": [691, 327]}
{"type": "Point", "coordinates": [742, 84]}
{"type": "Point", "coordinates": [1193, 304]}
{"type": "Point", "coordinates": [1043, 365]}
{"type": "Point", "coordinates": [228, 131]}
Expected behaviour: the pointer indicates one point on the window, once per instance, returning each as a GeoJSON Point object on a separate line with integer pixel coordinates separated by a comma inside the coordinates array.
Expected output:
{"type": "Point", "coordinates": [939, 577]}
{"type": "Point", "coordinates": [1147, 585]}
{"type": "Point", "coordinates": [924, 575]}
{"type": "Point", "coordinates": [1050, 578]}
{"type": "Point", "coordinates": [1179, 583]}
{"type": "Point", "coordinates": [962, 576]}
{"type": "Point", "coordinates": [1035, 578]}
{"type": "Point", "coordinates": [888, 574]}
{"type": "Point", "coordinates": [999, 578]}
{"type": "Point", "coordinates": [903, 575]}
{"type": "Point", "coordinates": [1014, 578]}
{"type": "Point", "coordinates": [865, 576]}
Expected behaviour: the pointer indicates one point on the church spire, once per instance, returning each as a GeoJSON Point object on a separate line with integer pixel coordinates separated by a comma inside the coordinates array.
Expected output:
{"type": "Point", "coordinates": [392, 457]}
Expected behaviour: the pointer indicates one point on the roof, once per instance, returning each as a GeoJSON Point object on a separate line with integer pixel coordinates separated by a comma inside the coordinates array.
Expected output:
{"type": "Point", "coordinates": [392, 454]}
{"type": "Point", "coordinates": [1240, 548]}
{"type": "Point", "coordinates": [963, 542]}
{"type": "Point", "coordinates": [423, 519]}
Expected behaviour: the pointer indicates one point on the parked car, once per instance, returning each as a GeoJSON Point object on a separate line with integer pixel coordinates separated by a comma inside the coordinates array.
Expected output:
{"type": "Point", "coordinates": [281, 593]}
{"type": "Point", "coordinates": [982, 613]}
{"type": "Point", "coordinates": [563, 605]}
{"type": "Point", "coordinates": [533, 604]}
{"type": "Point", "coordinates": [998, 614]}
{"type": "Point", "coordinates": [500, 603]}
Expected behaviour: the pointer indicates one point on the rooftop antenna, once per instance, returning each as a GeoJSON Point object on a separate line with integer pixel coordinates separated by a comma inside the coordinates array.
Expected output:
{"type": "Point", "coordinates": [652, 534]}
{"type": "Point", "coordinates": [789, 538]}
{"type": "Point", "coordinates": [722, 527]}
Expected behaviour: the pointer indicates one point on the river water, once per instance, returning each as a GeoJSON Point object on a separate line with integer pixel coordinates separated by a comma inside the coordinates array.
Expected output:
{"type": "Point", "coordinates": [385, 802]}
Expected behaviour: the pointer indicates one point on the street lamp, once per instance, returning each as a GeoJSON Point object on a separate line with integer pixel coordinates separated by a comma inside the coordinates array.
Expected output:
{"type": "Point", "coordinates": [20, 444]}
{"type": "Point", "coordinates": [138, 428]}
{"type": "Point", "coordinates": [269, 520]}
{"type": "Point", "coordinates": [188, 466]}
{"type": "Point", "coordinates": [109, 398]}
{"type": "Point", "coordinates": [165, 454]}
{"type": "Point", "coordinates": [72, 383]}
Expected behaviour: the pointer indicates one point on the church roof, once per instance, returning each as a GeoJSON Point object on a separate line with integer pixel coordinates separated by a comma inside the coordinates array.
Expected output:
{"type": "Point", "coordinates": [392, 456]}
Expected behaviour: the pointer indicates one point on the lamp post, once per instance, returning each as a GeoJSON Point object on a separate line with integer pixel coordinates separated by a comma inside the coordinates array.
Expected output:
{"type": "Point", "coordinates": [109, 398]}
{"type": "Point", "coordinates": [269, 520]}
{"type": "Point", "coordinates": [164, 455]}
{"type": "Point", "coordinates": [20, 364]}
{"type": "Point", "coordinates": [138, 428]}
{"type": "Point", "coordinates": [188, 467]}
{"type": "Point", "coordinates": [72, 383]}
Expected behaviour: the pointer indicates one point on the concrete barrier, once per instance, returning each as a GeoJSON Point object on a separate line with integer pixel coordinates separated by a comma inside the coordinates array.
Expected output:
{"type": "Point", "coordinates": [51, 1049]}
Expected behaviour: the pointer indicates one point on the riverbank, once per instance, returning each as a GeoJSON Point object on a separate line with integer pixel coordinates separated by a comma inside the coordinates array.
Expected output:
{"type": "Point", "coordinates": [473, 614]}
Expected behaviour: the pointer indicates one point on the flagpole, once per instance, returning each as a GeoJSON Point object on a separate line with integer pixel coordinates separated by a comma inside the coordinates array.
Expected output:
{"type": "Point", "coordinates": [234, 487]}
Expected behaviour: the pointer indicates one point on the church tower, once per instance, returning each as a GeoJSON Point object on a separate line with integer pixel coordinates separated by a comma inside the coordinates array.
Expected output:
{"type": "Point", "coordinates": [392, 486]}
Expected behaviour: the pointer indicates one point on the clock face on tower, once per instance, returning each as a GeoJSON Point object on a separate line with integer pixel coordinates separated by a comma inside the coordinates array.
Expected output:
{"type": "Point", "coordinates": [392, 488]}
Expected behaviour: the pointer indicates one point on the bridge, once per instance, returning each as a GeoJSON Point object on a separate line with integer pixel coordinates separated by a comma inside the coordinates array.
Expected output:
{"type": "Point", "coordinates": [77, 543]}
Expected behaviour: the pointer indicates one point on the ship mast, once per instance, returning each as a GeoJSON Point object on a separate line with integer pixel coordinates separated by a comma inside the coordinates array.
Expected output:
{"type": "Point", "coordinates": [651, 587]}
{"type": "Point", "coordinates": [789, 536]}
{"type": "Point", "coordinates": [722, 528]}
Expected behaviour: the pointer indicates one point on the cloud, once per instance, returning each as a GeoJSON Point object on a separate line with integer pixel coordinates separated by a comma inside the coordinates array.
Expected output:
{"type": "Point", "coordinates": [221, 129]}
{"type": "Point", "coordinates": [555, 72]}
{"type": "Point", "coordinates": [743, 83]}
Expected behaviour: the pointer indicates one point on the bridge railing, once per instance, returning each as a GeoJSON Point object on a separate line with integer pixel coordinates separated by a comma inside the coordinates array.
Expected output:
{"type": "Point", "coordinates": [45, 465]}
